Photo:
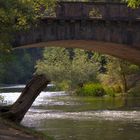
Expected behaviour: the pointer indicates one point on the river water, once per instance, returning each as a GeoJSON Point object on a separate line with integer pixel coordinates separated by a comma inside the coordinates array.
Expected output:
{"type": "Point", "coordinates": [66, 117]}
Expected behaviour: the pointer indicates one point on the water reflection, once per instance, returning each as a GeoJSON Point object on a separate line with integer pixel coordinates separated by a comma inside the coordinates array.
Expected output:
{"type": "Point", "coordinates": [92, 130]}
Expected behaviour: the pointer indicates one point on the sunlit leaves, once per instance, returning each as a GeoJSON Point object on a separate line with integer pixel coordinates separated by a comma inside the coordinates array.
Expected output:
{"type": "Point", "coordinates": [133, 3]}
{"type": "Point", "coordinates": [19, 14]}
{"type": "Point", "coordinates": [118, 71]}
{"type": "Point", "coordinates": [59, 66]}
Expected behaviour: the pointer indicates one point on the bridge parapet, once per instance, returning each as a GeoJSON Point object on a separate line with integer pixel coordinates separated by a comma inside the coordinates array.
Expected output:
{"type": "Point", "coordinates": [80, 10]}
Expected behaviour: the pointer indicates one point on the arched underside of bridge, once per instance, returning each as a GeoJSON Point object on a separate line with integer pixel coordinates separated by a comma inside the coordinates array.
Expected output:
{"type": "Point", "coordinates": [126, 52]}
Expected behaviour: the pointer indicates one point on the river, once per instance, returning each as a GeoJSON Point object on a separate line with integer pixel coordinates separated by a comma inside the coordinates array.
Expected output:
{"type": "Point", "coordinates": [66, 117]}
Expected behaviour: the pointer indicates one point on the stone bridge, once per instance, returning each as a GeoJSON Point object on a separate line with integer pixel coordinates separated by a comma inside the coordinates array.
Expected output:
{"type": "Point", "coordinates": [108, 28]}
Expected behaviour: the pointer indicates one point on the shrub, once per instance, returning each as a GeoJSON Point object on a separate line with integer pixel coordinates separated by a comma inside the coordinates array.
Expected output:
{"type": "Point", "coordinates": [91, 89]}
{"type": "Point", "coordinates": [64, 85]}
{"type": "Point", "coordinates": [117, 88]}
{"type": "Point", "coordinates": [110, 91]}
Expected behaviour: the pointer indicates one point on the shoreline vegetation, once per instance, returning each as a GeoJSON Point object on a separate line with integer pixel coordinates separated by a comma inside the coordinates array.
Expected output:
{"type": "Point", "coordinates": [97, 90]}
{"type": "Point", "coordinates": [69, 69]}
{"type": "Point", "coordinates": [89, 73]}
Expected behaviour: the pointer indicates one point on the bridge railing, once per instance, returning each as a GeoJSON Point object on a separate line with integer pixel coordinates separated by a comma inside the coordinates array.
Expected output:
{"type": "Point", "coordinates": [78, 10]}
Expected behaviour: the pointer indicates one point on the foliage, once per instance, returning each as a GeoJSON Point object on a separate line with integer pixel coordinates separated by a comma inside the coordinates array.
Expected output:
{"type": "Point", "coordinates": [109, 91]}
{"type": "Point", "coordinates": [19, 66]}
{"type": "Point", "coordinates": [91, 89]}
{"type": "Point", "coordinates": [64, 85]}
{"type": "Point", "coordinates": [55, 63]}
{"type": "Point", "coordinates": [71, 70]}
{"type": "Point", "coordinates": [58, 64]}
{"type": "Point", "coordinates": [133, 3]}
{"type": "Point", "coordinates": [135, 91]}
{"type": "Point", "coordinates": [117, 72]}
{"type": "Point", "coordinates": [19, 14]}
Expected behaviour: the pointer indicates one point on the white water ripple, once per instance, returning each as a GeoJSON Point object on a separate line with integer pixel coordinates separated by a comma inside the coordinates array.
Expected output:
{"type": "Point", "coordinates": [38, 115]}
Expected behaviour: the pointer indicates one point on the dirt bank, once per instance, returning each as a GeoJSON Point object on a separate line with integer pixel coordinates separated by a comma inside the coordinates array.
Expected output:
{"type": "Point", "coordinates": [10, 131]}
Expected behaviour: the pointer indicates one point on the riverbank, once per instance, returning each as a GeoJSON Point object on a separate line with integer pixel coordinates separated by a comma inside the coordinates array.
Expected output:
{"type": "Point", "coordinates": [11, 131]}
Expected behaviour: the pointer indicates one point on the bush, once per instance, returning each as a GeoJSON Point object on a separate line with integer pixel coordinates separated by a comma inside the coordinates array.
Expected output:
{"type": "Point", "coordinates": [110, 91]}
{"type": "Point", "coordinates": [91, 90]}
{"type": "Point", "coordinates": [117, 88]}
{"type": "Point", "coordinates": [64, 85]}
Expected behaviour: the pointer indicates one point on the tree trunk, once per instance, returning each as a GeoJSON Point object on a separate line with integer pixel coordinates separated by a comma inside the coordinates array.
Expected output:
{"type": "Point", "coordinates": [24, 102]}
{"type": "Point", "coordinates": [124, 83]}
{"type": "Point", "coordinates": [123, 77]}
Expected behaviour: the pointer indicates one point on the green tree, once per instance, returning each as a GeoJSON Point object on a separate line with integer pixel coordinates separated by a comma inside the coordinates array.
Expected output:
{"type": "Point", "coordinates": [60, 67]}
{"type": "Point", "coordinates": [19, 14]}
{"type": "Point", "coordinates": [117, 74]}
{"type": "Point", "coordinates": [83, 69]}
{"type": "Point", "coordinates": [18, 68]}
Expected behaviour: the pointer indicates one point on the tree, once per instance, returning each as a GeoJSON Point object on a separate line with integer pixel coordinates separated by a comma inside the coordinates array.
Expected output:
{"type": "Point", "coordinates": [117, 72]}
{"type": "Point", "coordinates": [18, 15]}
{"type": "Point", "coordinates": [60, 66]}
{"type": "Point", "coordinates": [18, 68]}
{"type": "Point", "coordinates": [83, 68]}
{"type": "Point", "coordinates": [17, 111]}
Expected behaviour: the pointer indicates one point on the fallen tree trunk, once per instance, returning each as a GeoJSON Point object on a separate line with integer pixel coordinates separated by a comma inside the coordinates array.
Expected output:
{"type": "Point", "coordinates": [17, 111]}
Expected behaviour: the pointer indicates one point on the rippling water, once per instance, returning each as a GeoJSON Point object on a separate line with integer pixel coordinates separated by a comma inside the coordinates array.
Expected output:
{"type": "Point", "coordinates": [35, 115]}
{"type": "Point", "coordinates": [67, 117]}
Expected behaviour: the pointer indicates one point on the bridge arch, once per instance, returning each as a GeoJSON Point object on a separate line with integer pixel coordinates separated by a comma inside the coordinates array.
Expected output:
{"type": "Point", "coordinates": [117, 50]}
{"type": "Point", "coordinates": [115, 34]}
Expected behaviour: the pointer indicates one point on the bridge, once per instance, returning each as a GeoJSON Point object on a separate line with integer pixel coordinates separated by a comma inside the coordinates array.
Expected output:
{"type": "Point", "coordinates": [108, 28]}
